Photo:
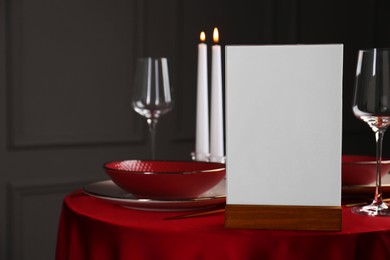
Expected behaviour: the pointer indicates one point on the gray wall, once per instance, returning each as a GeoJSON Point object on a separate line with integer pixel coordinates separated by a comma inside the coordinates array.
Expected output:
{"type": "Point", "coordinates": [65, 76]}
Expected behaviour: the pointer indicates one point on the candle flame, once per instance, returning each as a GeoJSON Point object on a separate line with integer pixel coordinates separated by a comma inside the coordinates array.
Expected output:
{"type": "Point", "coordinates": [216, 35]}
{"type": "Point", "coordinates": [202, 37]}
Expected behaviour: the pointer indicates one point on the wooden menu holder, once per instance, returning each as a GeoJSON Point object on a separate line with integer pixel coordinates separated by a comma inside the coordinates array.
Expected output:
{"type": "Point", "coordinates": [283, 132]}
{"type": "Point", "coordinates": [321, 218]}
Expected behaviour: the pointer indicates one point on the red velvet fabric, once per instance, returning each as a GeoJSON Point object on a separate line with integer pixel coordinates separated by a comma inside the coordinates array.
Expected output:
{"type": "Point", "coordinates": [91, 228]}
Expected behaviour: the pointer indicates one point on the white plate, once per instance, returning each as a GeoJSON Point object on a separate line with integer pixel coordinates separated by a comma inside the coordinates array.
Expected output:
{"type": "Point", "coordinates": [109, 191]}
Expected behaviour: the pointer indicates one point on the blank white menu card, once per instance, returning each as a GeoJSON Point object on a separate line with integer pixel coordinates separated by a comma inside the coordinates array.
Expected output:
{"type": "Point", "coordinates": [284, 124]}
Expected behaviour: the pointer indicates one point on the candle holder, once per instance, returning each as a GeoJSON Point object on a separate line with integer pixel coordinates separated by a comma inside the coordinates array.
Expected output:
{"type": "Point", "coordinates": [203, 157]}
{"type": "Point", "coordinates": [206, 157]}
{"type": "Point", "coordinates": [218, 159]}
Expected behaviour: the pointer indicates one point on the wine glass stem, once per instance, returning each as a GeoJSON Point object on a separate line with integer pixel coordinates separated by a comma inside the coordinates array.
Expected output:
{"type": "Point", "coordinates": [378, 190]}
{"type": "Point", "coordinates": [152, 122]}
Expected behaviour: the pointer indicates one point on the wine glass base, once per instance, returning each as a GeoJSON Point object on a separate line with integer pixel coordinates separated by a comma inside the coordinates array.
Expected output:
{"type": "Point", "coordinates": [382, 210]}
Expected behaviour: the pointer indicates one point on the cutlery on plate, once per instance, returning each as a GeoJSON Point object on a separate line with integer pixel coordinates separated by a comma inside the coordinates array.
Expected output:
{"type": "Point", "coordinates": [197, 214]}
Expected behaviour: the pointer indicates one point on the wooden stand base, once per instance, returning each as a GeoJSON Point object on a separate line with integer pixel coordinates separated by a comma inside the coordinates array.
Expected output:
{"type": "Point", "coordinates": [321, 218]}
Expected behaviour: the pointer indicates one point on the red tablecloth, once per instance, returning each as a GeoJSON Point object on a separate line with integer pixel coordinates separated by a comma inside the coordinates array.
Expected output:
{"type": "Point", "coordinates": [91, 228]}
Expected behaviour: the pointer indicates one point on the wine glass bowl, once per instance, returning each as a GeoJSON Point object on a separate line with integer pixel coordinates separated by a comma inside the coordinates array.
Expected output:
{"type": "Point", "coordinates": [151, 97]}
{"type": "Point", "coordinates": [371, 104]}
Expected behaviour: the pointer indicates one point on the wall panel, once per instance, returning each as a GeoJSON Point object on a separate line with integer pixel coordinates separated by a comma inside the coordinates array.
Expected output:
{"type": "Point", "coordinates": [71, 65]}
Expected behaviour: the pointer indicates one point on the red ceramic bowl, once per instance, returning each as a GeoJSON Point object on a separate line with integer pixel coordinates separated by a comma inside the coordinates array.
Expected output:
{"type": "Point", "coordinates": [165, 179]}
{"type": "Point", "coordinates": [361, 169]}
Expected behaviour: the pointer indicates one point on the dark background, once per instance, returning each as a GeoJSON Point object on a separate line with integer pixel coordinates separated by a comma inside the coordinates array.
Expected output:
{"type": "Point", "coordinates": [66, 69]}
{"type": "Point", "coordinates": [357, 25]}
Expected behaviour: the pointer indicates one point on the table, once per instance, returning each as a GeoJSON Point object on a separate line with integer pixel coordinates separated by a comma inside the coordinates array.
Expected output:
{"type": "Point", "coordinates": [91, 228]}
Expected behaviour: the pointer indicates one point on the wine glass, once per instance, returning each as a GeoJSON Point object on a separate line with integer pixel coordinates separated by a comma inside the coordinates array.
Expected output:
{"type": "Point", "coordinates": [371, 104]}
{"type": "Point", "coordinates": [152, 92]}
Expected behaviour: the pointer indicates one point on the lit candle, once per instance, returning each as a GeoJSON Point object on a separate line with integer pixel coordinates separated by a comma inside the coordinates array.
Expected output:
{"type": "Point", "coordinates": [202, 113]}
{"type": "Point", "coordinates": [216, 135]}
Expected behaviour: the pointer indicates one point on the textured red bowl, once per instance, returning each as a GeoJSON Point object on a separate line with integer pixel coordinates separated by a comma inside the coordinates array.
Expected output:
{"type": "Point", "coordinates": [361, 169]}
{"type": "Point", "coordinates": [165, 179]}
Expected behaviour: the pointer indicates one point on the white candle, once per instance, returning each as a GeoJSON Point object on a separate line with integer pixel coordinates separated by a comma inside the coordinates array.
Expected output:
{"type": "Point", "coordinates": [216, 135]}
{"type": "Point", "coordinates": [202, 111]}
